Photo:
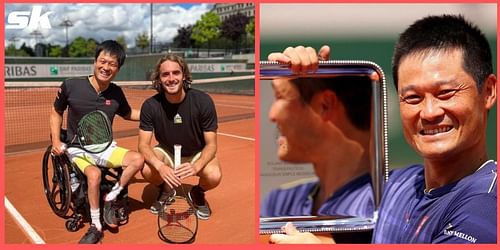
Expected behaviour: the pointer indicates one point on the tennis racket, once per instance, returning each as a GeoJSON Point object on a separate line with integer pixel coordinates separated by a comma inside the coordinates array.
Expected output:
{"type": "Point", "coordinates": [94, 132]}
{"type": "Point", "coordinates": [177, 220]}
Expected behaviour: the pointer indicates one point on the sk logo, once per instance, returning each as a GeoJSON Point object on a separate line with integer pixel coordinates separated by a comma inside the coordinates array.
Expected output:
{"type": "Point", "coordinates": [29, 19]}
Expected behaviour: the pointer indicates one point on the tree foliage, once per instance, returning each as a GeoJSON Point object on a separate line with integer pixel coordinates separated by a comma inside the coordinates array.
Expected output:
{"type": "Point", "coordinates": [55, 51]}
{"type": "Point", "coordinates": [250, 29]}
{"type": "Point", "coordinates": [183, 38]}
{"type": "Point", "coordinates": [81, 47]}
{"type": "Point", "coordinates": [206, 29]}
{"type": "Point", "coordinates": [234, 26]}
{"type": "Point", "coordinates": [121, 40]}
{"type": "Point", "coordinates": [12, 51]}
{"type": "Point", "coordinates": [142, 41]}
{"type": "Point", "coordinates": [27, 50]}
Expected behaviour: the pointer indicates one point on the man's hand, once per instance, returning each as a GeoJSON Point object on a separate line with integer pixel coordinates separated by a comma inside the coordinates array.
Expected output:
{"type": "Point", "coordinates": [301, 59]}
{"type": "Point", "coordinates": [58, 147]}
{"type": "Point", "coordinates": [168, 175]}
{"type": "Point", "coordinates": [292, 236]}
{"type": "Point", "coordinates": [185, 170]}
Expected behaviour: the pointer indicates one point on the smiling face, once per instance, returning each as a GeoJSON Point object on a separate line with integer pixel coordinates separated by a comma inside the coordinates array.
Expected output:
{"type": "Point", "coordinates": [106, 67]}
{"type": "Point", "coordinates": [296, 122]}
{"type": "Point", "coordinates": [442, 111]}
{"type": "Point", "coordinates": [171, 77]}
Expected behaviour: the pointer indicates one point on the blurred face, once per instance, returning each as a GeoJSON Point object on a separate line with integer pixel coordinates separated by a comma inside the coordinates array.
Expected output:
{"type": "Point", "coordinates": [171, 77]}
{"type": "Point", "coordinates": [106, 67]}
{"type": "Point", "coordinates": [295, 121]}
{"type": "Point", "coordinates": [442, 111]}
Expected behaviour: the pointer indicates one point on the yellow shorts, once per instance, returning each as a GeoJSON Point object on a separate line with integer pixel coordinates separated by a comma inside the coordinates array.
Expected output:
{"type": "Point", "coordinates": [112, 157]}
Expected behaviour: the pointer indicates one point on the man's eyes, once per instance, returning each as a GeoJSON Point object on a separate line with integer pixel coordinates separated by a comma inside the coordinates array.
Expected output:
{"type": "Point", "coordinates": [416, 98]}
{"type": "Point", "coordinates": [112, 64]}
{"type": "Point", "coordinates": [411, 99]}
{"type": "Point", "coordinates": [175, 73]}
{"type": "Point", "coordinates": [446, 94]}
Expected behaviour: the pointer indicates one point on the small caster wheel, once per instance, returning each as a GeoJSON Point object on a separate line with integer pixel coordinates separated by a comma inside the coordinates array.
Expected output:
{"type": "Point", "coordinates": [122, 215]}
{"type": "Point", "coordinates": [72, 225]}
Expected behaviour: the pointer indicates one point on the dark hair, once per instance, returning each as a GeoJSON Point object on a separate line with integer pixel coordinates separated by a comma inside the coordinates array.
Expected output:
{"type": "Point", "coordinates": [446, 32]}
{"type": "Point", "coordinates": [354, 92]}
{"type": "Point", "coordinates": [155, 76]}
{"type": "Point", "coordinates": [113, 48]}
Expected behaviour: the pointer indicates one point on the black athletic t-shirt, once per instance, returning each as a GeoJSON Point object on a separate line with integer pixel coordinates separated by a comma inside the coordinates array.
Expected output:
{"type": "Point", "coordinates": [80, 97]}
{"type": "Point", "coordinates": [182, 123]}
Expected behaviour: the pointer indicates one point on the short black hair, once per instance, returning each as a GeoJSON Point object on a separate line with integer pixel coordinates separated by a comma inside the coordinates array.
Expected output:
{"type": "Point", "coordinates": [355, 93]}
{"type": "Point", "coordinates": [446, 32]}
{"type": "Point", "coordinates": [113, 48]}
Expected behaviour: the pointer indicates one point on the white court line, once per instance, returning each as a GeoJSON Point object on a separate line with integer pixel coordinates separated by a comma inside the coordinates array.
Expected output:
{"type": "Point", "coordinates": [237, 136]}
{"type": "Point", "coordinates": [34, 237]}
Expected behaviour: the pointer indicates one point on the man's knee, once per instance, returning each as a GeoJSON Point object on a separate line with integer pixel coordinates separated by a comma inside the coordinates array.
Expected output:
{"type": "Point", "coordinates": [212, 173]}
{"type": "Point", "coordinates": [150, 174]}
{"type": "Point", "coordinates": [134, 160]}
{"type": "Point", "coordinates": [93, 175]}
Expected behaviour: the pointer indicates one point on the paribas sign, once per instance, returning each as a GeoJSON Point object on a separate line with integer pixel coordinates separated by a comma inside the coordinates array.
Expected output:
{"type": "Point", "coordinates": [17, 71]}
{"type": "Point", "coordinates": [215, 67]}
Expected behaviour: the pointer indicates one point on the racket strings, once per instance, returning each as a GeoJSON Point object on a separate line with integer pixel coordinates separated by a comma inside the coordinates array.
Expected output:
{"type": "Point", "coordinates": [94, 129]}
{"type": "Point", "coordinates": [178, 222]}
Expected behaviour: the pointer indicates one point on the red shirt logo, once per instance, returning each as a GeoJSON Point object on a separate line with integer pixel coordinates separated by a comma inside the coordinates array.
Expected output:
{"type": "Point", "coordinates": [108, 102]}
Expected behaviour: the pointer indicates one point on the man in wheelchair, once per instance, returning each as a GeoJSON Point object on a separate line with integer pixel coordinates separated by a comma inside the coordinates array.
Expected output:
{"type": "Point", "coordinates": [80, 96]}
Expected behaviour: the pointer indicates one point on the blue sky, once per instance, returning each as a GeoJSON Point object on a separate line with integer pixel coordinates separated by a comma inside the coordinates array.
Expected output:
{"type": "Point", "coordinates": [106, 21]}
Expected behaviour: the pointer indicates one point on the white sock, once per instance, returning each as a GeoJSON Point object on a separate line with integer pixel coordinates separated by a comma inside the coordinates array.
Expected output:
{"type": "Point", "coordinates": [95, 216]}
{"type": "Point", "coordinates": [115, 191]}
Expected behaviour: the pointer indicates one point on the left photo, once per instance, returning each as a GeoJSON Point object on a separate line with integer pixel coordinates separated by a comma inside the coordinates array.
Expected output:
{"type": "Point", "coordinates": [129, 123]}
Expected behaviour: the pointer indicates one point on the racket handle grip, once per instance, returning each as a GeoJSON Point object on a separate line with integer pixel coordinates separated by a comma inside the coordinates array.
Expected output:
{"type": "Point", "coordinates": [177, 155]}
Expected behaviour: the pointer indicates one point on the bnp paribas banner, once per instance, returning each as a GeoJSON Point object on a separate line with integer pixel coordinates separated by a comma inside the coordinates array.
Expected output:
{"type": "Point", "coordinates": [17, 71]}
{"type": "Point", "coordinates": [25, 71]}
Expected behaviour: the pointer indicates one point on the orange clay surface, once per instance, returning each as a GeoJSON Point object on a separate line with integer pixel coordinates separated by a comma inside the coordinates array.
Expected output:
{"type": "Point", "coordinates": [233, 201]}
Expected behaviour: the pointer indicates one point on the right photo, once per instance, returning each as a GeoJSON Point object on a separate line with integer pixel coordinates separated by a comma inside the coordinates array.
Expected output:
{"type": "Point", "coordinates": [378, 123]}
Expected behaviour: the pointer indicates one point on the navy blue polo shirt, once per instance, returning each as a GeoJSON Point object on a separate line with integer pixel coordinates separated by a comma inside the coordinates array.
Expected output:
{"type": "Point", "coordinates": [353, 199]}
{"type": "Point", "coordinates": [460, 212]}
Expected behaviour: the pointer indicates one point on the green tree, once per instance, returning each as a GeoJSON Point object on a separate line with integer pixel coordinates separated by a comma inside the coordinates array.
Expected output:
{"type": "Point", "coordinates": [142, 41]}
{"type": "Point", "coordinates": [183, 38]}
{"type": "Point", "coordinates": [91, 46]}
{"type": "Point", "coordinates": [26, 51]}
{"type": "Point", "coordinates": [233, 28]}
{"type": "Point", "coordinates": [206, 29]}
{"type": "Point", "coordinates": [55, 51]}
{"type": "Point", "coordinates": [121, 40]}
{"type": "Point", "coordinates": [250, 29]}
{"type": "Point", "coordinates": [81, 47]}
{"type": "Point", "coordinates": [11, 50]}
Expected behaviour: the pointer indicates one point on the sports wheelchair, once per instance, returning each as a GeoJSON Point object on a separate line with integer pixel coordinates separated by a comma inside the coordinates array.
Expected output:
{"type": "Point", "coordinates": [71, 203]}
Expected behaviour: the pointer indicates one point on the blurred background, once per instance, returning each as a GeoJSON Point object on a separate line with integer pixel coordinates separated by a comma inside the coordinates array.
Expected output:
{"type": "Point", "coordinates": [368, 32]}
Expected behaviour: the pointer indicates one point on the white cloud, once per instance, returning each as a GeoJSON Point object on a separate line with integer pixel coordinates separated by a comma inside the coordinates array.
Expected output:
{"type": "Point", "coordinates": [107, 21]}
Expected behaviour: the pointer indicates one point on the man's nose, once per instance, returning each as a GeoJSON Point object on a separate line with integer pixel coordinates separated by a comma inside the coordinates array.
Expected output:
{"type": "Point", "coordinates": [431, 109]}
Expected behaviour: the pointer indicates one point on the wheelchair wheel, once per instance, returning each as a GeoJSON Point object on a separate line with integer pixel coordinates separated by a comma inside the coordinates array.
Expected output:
{"type": "Point", "coordinates": [56, 183]}
{"type": "Point", "coordinates": [122, 215]}
{"type": "Point", "coordinates": [73, 224]}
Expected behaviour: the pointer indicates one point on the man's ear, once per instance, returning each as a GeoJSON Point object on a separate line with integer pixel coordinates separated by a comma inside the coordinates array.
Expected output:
{"type": "Point", "coordinates": [329, 103]}
{"type": "Point", "coordinates": [490, 91]}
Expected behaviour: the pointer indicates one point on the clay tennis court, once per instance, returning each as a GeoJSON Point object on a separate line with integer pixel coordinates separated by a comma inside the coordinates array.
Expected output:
{"type": "Point", "coordinates": [232, 202]}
